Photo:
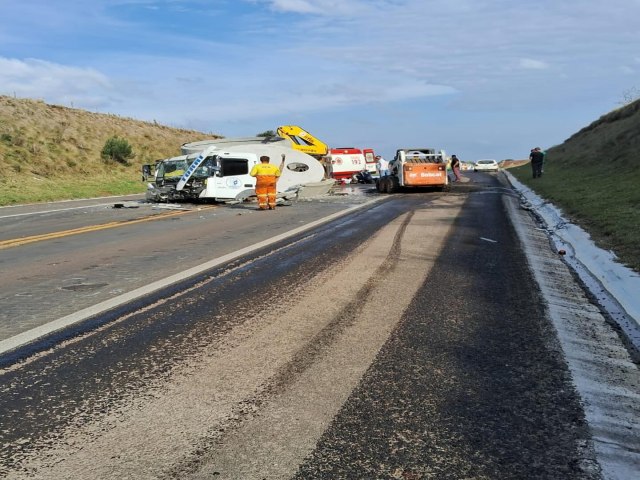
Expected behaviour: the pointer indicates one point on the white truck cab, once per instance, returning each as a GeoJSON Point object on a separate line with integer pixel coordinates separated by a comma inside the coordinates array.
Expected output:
{"type": "Point", "coordinates": [223, 175]}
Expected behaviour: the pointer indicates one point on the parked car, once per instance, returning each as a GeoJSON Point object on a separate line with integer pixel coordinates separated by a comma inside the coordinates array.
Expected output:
{"type": "Point", "coordinates": [486, 165]}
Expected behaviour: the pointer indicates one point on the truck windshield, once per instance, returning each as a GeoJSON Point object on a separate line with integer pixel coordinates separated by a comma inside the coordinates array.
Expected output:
{"type": "Point", "coordinates": [172, 168]}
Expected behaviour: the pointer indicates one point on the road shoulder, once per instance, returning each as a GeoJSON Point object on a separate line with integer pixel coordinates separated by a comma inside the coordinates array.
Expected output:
{"type": "Point", "coordinates": [604, 374]}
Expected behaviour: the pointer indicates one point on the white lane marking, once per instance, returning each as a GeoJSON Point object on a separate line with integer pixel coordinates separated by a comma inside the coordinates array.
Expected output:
{"type": "Point", "coordinates": [44, 212]}
{"type": "Point", "coordinates": [70, 201]}
{"type": "Point", "coordinates": [488, 240]}
{"type": "Point", "coordinates": [32, 335]}
{"type": "Point", "coordinates": [61, 201]}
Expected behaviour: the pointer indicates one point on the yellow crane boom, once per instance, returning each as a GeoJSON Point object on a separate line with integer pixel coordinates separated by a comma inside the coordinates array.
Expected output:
{"type": "Point", "coordinates": [303, 141]}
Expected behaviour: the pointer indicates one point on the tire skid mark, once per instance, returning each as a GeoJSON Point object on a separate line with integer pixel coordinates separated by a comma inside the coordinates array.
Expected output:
{"type": "Point", "coordinates": [308, 355]}
{"type": "Point", "coordinates": [231, 383]}
{"type": "Point", "coordinates": [239, 450]}
{"type": "Point", "coordinates": [300, 362]}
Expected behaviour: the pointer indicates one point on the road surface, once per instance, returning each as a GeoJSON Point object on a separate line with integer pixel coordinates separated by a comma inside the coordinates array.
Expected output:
{"type": "Point", "coordinates": [413, 338]}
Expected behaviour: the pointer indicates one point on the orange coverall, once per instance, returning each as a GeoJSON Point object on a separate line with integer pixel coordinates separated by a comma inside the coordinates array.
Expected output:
{"type": "Point", "coordinates": [266, 178]}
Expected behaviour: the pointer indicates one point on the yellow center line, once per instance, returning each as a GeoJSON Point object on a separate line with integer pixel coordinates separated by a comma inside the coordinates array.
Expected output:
{"type": "Point", "coordinates": [92, 228]}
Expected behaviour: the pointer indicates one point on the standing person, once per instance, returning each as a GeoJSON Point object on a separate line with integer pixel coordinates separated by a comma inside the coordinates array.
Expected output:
{"type": "Point", "coordinates": [325, 161]}
{"type": "Point", "coordinates": [537, 159]}
{"type": "Point", "coordinates": [267, 176]}
{"type": "Point", "coordinates": [382, 165]}
{"type": "Point", "coordinates": [455, 166]}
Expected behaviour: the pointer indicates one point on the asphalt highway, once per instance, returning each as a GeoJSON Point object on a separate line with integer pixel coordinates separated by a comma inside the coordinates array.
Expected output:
{"type": "Point", "coordinates": [408, 338]}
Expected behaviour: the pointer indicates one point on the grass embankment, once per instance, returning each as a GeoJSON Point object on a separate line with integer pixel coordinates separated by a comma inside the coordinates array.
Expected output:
{"type": "Point", "coordinates": [50, 152]}
{"type": "Point", "coordinates": [594, 177]}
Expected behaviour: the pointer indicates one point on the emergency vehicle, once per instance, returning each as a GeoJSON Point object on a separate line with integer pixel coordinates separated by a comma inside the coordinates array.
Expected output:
{"type": "Point", "coordinates": [344, 163]}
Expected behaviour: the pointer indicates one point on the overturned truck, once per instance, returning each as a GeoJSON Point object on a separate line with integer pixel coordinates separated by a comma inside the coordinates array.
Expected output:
{"type": "Point", "coordinates": [218, 170]}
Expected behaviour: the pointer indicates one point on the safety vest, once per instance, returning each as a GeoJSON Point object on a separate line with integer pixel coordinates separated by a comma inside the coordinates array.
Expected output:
{"type": "Point", "coordinates": [265, 169]}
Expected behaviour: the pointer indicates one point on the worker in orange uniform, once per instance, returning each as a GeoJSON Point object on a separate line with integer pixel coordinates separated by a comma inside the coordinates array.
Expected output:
{"type": "Point", "coordinates": [267, 176]}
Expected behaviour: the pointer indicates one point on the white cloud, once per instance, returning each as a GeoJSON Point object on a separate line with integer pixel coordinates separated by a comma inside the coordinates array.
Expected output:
{"type": "Point", "coordinates": [316, 7]}
{"type": "Point", "coordinates": [210, 62]}
{"type": "Point", "coordinates": [56, 83]}
{"type": "Point", "coordinates": [532, 64]}
{"type": "Point", "coordinates": [298, 6]}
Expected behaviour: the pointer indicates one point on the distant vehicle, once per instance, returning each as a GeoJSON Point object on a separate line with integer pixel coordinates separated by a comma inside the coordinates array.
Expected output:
{"type": "Point", "coordinates": [486, 165]}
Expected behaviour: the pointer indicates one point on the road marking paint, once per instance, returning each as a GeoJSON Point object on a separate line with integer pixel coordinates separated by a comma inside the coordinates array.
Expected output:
{"type": "Point", "coordinates": [15, 242]}
{"type": "Point", "coordinates": [3, 207]}
{"type": "Point", "coordinates": [44, 212]}
{"type": "Point", "coordinates": [29, 336]}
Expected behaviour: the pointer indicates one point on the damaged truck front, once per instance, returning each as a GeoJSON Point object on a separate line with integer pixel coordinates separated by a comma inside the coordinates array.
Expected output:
{"type": "Point", "coordinates": [220, 172]}
{"type": "Point", "coordinates": [164, 176]}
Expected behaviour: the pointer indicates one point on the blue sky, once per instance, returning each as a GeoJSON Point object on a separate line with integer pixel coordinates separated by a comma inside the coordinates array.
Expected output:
{"type": "Point", "coordinates": [478, 78]}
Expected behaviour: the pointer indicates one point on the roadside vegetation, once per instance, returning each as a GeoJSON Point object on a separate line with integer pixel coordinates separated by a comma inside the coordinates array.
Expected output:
{"type": "Point", "coordinates": [594, 177]}
{"type": "Point", "coordinates": [51, 152]}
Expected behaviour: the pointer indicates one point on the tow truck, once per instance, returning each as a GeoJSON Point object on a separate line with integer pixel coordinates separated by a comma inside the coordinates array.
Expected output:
{"type": "Point", "coordinates": [415, 167]}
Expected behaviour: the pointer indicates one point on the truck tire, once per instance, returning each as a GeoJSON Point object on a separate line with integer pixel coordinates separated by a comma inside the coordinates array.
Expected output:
{"type": "Point", "coordinates": [381, 185]}
{"type": "Point", "coordinates": [394, 185]}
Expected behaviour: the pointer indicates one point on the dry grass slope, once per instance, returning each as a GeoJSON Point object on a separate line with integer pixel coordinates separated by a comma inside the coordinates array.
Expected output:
{"type": "Point", "coordinates": [50, 152]}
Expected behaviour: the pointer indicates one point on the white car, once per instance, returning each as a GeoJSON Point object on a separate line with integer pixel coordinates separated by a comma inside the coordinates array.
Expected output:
{"type": "Point", "coordinates": [486, 165]}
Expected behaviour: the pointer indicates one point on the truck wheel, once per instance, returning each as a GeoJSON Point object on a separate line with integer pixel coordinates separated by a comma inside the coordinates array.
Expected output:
{"type": "Point", "coordinates": [381, 185]}
{"type": "Point", "coordinates": [394, 185]}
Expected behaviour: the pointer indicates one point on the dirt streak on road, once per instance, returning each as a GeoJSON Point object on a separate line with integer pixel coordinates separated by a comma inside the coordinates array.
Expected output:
{"type": "Point", "coordinates": [273, 383]}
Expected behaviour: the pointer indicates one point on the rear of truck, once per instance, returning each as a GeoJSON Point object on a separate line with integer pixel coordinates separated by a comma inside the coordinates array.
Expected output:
{"type": "Point", "coordinates": [415, 168]}
{"type": "Point", "coordinates": [424, 168]}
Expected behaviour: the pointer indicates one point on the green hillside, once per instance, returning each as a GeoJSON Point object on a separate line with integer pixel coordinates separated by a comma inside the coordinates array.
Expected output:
{"type": "Point", "coordinates": [594, 176]}
{"type": "Point", "coordinates": [50, 152]}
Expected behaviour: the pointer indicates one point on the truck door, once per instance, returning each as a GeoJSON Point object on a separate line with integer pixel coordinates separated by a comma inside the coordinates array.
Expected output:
{"type": "Point", "coordinates": [231, 180]}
